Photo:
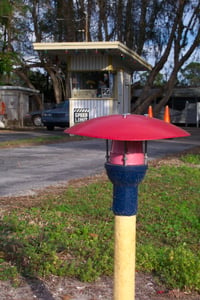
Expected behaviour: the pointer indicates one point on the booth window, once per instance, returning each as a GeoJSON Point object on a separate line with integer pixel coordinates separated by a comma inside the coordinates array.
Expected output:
{"type": "Point", "coordinates": [101, 83]}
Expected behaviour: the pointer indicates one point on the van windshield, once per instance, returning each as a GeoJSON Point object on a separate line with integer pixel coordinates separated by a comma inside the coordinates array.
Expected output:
{"type": "Point", "coordinates": [60, 105]}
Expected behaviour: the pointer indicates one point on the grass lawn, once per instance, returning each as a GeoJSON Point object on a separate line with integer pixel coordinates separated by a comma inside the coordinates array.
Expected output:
{"type": "Point", "coordinates": [70, 233]}
{"type": "Point", "coordinates": [36, 141]}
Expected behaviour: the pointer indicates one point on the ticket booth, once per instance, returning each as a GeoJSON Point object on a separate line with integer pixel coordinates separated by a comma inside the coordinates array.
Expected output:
{"type": "Point", "coordinates": [100, 76]}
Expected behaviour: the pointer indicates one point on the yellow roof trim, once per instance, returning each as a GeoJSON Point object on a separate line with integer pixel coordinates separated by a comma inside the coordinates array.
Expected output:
{"type": "Point", "coordinates": [115, 46]}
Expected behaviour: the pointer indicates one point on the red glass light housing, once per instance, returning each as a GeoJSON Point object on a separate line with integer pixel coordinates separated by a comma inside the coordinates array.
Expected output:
{"type": "Point", "coordinates": [127, 127]}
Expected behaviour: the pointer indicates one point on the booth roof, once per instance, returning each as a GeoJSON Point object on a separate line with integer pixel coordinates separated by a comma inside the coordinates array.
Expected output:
{"type": "Point", "coordinates": [114, 49]}
{"type": "Point", "coordinates": [18, 88]}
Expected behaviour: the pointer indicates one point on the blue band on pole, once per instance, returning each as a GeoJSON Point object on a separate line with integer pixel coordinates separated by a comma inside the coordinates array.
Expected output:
{"type": "Point", "coordinates": [125, 181]}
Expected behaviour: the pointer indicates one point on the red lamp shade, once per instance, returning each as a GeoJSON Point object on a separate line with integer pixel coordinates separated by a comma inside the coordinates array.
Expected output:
{"type": "Point", "coordinates": [127, 128]}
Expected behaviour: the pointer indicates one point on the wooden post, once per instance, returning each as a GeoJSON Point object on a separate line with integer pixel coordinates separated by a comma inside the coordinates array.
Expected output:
{"type": "Point", "coordinates": [124, 264]}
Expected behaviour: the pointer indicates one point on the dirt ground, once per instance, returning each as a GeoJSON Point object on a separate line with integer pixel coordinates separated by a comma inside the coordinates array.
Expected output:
{"type": "Point", "coordinates": [61, 288]}
{"type": "Point", "coordinates": [56, 288]}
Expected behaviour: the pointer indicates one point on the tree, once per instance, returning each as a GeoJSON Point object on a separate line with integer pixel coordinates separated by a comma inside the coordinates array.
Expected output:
{"type": "Point", "coordinates": [7, 56]}
{"type": "Point", "coordinates": [165, 32]}
{"type": "Point", "coordinates": [182, 40]}
{"type": "Point", "coordinates": [53, 20]}
{"type": "Point", "coordinates": [15, 43]}
{"type": "Point", "coordinates": [191, 74]}
{"type": "Point", "coordinates": [158, 82]}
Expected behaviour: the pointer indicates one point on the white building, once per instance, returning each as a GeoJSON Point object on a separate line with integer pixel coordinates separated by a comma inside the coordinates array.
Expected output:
{"type": "Point", "coordinates": [100, 76]}
{"type": "Point", "coordinates": [14, 104]}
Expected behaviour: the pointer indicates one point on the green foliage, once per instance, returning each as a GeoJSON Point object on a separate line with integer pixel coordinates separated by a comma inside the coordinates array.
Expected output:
{"type": "Point", "coordinates": [72, 234]}
{"type": "Point", "coordinates": [169, 226]}
{"type": "Point", "coordinates": [39, 141]}
{"type": "Point", "coordinates": [191, 158]}
{"type": "Point", "coordinates": [7, 60]}
{"type": "Point", "coordinates": [8, 272]}
{"type": "Point", "coordinates": [5, 10]}
{"type": "Point", "coordinates": [159, 80]}
{"type": "Point", "coordinates": [178, 267]}
{"type": "Point", "coordinates": [191, 74]}
{"type": "Point", "coordinates": [61, 238]}
{"type": "Point", "coordinates": [12, 28]}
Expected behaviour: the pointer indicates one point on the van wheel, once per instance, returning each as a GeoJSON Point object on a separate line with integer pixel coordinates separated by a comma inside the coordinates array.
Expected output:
{"type": "Point", "coordinates": [37, 121]}
{"type": "Point", "coordinates": [50, 127]}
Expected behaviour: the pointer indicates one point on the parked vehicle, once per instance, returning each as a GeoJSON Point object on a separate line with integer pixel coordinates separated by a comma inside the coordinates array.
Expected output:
{"type": "Point", "coordinates": [34, 118]}
{"type": "Point", "coordinates": [56, 116]}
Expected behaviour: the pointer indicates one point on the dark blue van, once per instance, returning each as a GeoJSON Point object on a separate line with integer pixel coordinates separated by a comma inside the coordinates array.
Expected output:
{"type": "Point", "coordinates": [56, 116]}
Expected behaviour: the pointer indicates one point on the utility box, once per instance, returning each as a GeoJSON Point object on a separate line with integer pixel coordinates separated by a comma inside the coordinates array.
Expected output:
{"type": "Point", "coordinates": [15, 100]}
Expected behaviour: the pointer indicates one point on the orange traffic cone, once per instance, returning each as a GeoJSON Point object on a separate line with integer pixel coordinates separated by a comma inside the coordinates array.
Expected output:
{"type": "Point", "coordinates": [167, 114]}
{"type": "Point", "coordinates": [150, 112]}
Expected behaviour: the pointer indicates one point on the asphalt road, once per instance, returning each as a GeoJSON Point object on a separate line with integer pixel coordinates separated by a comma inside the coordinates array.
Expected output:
{"type": "Point", "coordinates": [27, 169]}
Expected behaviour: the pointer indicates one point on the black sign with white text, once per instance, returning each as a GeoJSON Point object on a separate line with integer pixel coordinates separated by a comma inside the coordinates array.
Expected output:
{"type": "Point", "coordinates": [81, 115]}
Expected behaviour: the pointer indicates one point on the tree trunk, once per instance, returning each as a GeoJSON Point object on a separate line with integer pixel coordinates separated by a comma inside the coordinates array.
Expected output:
{"type": "Point", "coordinates": [168, 89]}
{"type": "Point", "coordinates": [25, 78]}
{"type": "Point", "coordinates": [57, 84]}
{"type": "Point", "coordinates": [142, 25]}
{"type": "Point", "coordinates": [149, 95]}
